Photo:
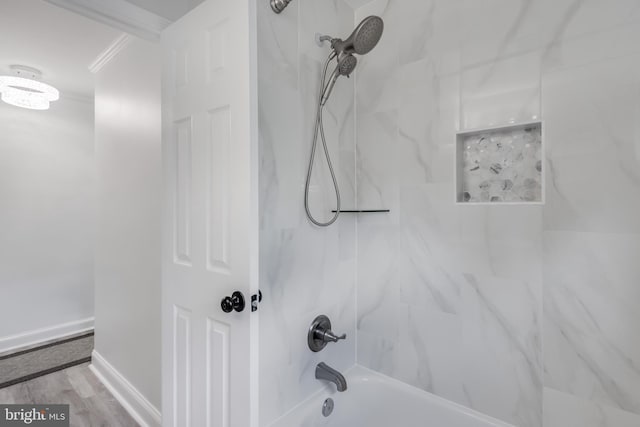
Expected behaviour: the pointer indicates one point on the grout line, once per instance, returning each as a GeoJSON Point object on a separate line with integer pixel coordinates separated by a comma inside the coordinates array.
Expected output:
{"type": "Point", "coordinates": [356, 220]}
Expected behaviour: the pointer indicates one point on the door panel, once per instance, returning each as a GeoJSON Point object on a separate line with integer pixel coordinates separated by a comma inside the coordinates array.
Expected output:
{"type": "Point", "coordinates": [218, 389]}
{"type": "Point", "coordinates": [182, 196]}
{"type": "Point", "coordinates": [210, 227]}
{"type": "Point", "coordinates": [218, 214]}
{"type": "Point", "coordinates": [181, 366]}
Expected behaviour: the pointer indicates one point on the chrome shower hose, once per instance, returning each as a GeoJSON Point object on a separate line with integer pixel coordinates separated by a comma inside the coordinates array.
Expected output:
{"type": "Point", "coordinates": [319, 129]}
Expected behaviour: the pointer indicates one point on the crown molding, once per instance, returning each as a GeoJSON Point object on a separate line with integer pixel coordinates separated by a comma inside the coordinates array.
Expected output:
{"type": "Point", "coordinates": [110, 52]}
{"type": "Point", "coordinates": [119, 14]}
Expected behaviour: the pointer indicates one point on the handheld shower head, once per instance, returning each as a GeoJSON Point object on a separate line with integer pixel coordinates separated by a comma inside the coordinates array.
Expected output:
{"type": "Point", "coordinates": [363, 39]}
{"type": "Point", "coordinates": [346, 65]}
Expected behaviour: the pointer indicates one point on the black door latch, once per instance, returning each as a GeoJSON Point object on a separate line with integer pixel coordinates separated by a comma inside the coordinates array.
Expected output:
{"type": "Point", "coordinates": [255, 300]}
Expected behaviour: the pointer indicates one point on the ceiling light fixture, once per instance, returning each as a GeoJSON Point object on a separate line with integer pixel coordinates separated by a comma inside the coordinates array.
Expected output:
{"type": "Point", "coordinates": [23, 90]}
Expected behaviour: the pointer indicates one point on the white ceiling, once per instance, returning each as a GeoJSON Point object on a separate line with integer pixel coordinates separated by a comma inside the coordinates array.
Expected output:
{"type": "Point", "coordinates": [61, 44]}
{"type": "Point", "coordinates": [169, 9]}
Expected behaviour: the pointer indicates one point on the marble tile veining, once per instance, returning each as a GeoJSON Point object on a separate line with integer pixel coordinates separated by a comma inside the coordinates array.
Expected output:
{"type": "Point", "coordinates": [591, 316]}
{"type": "Point", "coordinates": [458, 299]}
{"type": "Point", "coordinates": [304, 271]}
{"type": "Point", "coordinates": [565, 410]}
{"type": "Point", "coordinates": [592, 136]}
{"type": "Point", "coordinates": [452, 298]}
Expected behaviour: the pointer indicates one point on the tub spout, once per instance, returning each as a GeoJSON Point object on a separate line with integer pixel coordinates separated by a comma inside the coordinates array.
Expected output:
{"type": "Point", "coordinates": [327, 373]}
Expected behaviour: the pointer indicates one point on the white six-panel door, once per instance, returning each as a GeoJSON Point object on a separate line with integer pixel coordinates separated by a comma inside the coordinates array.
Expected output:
{"type": "Point", "coordinates": [210, 216]}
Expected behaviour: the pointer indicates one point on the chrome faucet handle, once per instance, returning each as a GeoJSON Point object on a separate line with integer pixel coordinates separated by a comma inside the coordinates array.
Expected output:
{"type": "Point", "coordinates": [329, 336]}
{"type": "Point", "coordinates": [320, 334]}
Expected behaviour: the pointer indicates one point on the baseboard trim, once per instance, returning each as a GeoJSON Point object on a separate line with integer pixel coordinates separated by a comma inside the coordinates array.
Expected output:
{"type": "Point", "coordinates": [42, 336]}
{"type": "Point", "coordinates": [129, 397]}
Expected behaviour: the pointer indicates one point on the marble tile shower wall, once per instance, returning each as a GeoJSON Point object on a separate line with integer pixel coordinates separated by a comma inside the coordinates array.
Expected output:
{"type": "Point", "coordinates": [305, 271]}
{"type": "Point", "coordinates": [505, 309]}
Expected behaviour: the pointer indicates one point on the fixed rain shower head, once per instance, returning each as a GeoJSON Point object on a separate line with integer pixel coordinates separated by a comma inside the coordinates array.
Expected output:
{"type": "Point", "coordinates": [363, 39]}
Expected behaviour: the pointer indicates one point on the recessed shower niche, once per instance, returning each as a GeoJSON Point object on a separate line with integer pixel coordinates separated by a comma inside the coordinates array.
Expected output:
{"type": "Point", "coordinates": [500, 165]}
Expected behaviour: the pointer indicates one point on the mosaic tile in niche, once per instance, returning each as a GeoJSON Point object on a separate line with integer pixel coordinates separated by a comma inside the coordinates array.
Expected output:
{"type": "Point", "coordinates": [501, 165]}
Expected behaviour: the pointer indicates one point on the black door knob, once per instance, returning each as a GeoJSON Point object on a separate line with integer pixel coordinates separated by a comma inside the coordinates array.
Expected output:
{"type": "Point", "coordinates": [234, 302]}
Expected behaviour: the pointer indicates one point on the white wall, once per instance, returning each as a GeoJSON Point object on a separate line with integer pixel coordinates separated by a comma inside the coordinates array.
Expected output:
{"type": "Point", "coordinates": [304, 270]}
{"type": "Point", "coordinates": [127, 262]}
{"type": "Point", "coordinates": [46, 221]}
{"type": "Point", "coordinates": [459, 299]}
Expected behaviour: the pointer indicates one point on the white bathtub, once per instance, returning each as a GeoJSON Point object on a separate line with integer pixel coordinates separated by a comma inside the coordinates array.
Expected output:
{"type": "Point", "coordinates": [374, 400]}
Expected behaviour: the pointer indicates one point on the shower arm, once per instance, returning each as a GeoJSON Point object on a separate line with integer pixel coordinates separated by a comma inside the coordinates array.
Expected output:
{"type": "Point", "coordinates": [279, 5]}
